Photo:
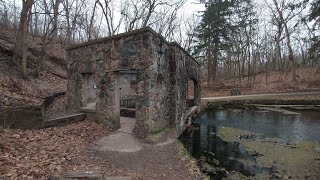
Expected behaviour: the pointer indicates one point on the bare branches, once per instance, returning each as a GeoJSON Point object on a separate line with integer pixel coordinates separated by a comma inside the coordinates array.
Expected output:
{"type": "Point", "coordinates": [133, 12]}
{"type": "Point", "coordinates": [283, 13]}
{"type": "Point", "coordinates": [108, 10]}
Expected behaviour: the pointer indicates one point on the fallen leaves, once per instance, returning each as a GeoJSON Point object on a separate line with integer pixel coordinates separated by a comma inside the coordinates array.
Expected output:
{"type": "Point", "coordinates": [33, 154]}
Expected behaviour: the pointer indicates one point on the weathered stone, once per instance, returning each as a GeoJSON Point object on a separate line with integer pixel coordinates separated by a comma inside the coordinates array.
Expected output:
{"type": "Point", "coordinates": [114, 54]}
{"type": "Point", "coordinates": [129, 49]}
{"type": "Point", "coordinates": [148, 102]}
{"type": "Point", "coordinates": [162, 72]}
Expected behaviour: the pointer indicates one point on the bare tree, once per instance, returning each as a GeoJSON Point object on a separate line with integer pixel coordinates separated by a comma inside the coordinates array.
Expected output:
{"type": "Point", "coordinates": [73, 10]}
{"type": "Point", "coordinates": [49, 30]}
{"type": "Point", "coordinates": [284, 12]}
{"type": "Point", "coordinates": [4, 14]}
{"type": "Point", "coordinates": [55, 4]}
{"type": "Point", "coordinates": [20, 49]}
{"type": "Point", "coordinates": [108, 10]}
{"type": "Point", "coordinates": [168, 20]}
{"type": "Point", "coordinates": [189, 31]}
{"type": "Point", "coordinates": [90, 29]}
{"type": "Point", "coordinates": [150, 6]}
{"type": "Point", "coordinates": [276, 63]}
{"type": "Point", "coordinates": [132, 11]}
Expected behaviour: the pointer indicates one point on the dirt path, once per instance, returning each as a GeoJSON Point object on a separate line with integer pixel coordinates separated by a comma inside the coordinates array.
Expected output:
{"type": "Point", "coordinates": [127, 156]}
{"type": "Point", "coordinates": [151, 162]}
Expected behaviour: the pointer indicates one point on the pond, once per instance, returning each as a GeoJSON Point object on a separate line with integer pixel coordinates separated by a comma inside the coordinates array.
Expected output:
{"type": "Point", "coordinates": [305, 126]}
{"type": "Point", "coordinates": [225, 140]}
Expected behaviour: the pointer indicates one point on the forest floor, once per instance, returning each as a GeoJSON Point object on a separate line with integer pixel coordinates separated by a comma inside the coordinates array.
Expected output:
{"type": "Point", "coordinates": [44, 153]}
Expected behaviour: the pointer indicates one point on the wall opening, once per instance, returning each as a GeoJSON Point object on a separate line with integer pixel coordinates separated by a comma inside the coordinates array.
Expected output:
{"type": "Point", "coordinates": [127, 87]}
{"type": "Point", "coordinates": [191, 90]}
{"type": "Point", "coordinates": [89, 97]}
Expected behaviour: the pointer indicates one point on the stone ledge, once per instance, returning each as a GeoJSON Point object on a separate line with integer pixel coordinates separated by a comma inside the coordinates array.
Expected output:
{"type": "Point", "coordinates": [63, 120]}
{"type": "Point", "coordinates": [121, 35]}
{"type": "Point", "coordinates": [89, 175]}
{"type": "Point", "coordinates": [88, 110]}
{"type": "Point", "coordinates": [191, 111]}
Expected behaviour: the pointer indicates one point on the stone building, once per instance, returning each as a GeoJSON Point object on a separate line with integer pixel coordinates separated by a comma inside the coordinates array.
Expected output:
{"type": "Point", "coordinates": [139, 64]}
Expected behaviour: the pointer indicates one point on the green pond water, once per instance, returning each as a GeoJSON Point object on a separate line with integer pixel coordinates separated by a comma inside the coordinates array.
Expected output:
{"type": "Point", "coordinates": [205, 137]}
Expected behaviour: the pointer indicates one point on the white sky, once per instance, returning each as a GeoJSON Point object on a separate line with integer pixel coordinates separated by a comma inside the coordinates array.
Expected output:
{"type": "Point", "coordinates": [192, 7]}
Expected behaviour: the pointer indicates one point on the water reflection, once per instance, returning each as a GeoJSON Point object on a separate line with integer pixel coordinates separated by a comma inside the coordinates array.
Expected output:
{"type": "Point", "coordinates": [272, 124]}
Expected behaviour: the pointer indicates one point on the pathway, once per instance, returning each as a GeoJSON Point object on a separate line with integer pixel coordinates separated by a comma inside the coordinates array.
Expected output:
{"type": "Point", "coordinates": [255, 96]}
{"type": "Point", "coordinates": [122, 154]}
{"type": "Point", "coordinates": [122, 140]}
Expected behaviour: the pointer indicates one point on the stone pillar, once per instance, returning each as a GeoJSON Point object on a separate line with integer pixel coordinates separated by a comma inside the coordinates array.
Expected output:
{"type": "Point", "coordinates": [116, 113]}
{"type": "Point", "coordinates": [108, 103]}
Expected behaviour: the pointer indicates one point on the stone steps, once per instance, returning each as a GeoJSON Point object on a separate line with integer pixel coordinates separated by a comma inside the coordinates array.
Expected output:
{"type": "Point", "coordinates": [64, 119]}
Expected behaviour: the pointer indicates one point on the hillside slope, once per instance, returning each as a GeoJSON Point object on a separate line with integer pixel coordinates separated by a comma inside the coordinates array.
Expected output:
{"type": "Point", "coordinates": [16, 90]}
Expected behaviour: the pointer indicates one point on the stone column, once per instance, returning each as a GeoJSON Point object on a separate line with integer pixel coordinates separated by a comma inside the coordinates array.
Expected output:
{"type": "Point", "coordinates": [108, 103]}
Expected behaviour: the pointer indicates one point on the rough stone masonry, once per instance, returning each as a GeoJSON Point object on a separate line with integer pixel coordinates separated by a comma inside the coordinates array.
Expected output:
{"type": "Point", "coordinates": [161, 71]}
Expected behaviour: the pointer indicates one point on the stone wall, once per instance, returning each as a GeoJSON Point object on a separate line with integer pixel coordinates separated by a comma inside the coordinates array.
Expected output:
{"type": "Point", "coordinates": [160, 69]}
{"type": "Point", "coordinates": [141, 51]}
{"type": "Point", "coordinates": [22, 117]}
{"type": "Point", "coordinates": [183, 67]}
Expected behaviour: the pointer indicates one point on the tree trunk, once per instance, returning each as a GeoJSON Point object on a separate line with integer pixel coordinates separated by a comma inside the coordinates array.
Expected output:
{"type": "Point", "coordinates": [266, 72]}
{"type": "Point", "coordinates": [215, 62]}
{"type": "Point", "coordinates": [291, 57]}
{"type": "Point", "coordinates": [239, 67]}
{"type": "Point", "coordinates": [20, 49]}
{"type": "Point", "coordinates": [68, 20]}
{"type": "Point", "coordinates": [150, 11]}
{"type": "Point", "coordinates": [277, 60]}
{"type": "Point", "coordinates": [55, 18]}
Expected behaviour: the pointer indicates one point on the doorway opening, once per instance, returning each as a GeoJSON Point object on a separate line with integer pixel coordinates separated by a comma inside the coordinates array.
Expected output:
{"type": "Point", "coordinates": [128, 87]}
{"type": "Point", "coordinates": [190, 94]}
{"type": "Point", "coordinates": [89, 91]}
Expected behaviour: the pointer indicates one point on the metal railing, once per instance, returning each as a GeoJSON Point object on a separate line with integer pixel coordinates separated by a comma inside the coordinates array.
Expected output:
{"type": "Point", "coordinates": [128, 102]}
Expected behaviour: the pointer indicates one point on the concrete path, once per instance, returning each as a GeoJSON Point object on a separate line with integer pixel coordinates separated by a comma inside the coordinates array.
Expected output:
{"type": "Point", "coordinates": [122, 140]}
{"type": "Point", "coordinates": [261, 96]}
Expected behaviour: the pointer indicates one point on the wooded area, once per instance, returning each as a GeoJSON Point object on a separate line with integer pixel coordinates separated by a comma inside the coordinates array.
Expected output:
{"type": "Point", "coordinates": [232, 39]}
{"type": "Point", "coordinates": [242, 39]}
